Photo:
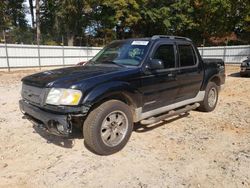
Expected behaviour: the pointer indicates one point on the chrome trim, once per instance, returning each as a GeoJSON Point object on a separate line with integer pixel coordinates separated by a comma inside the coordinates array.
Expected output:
{"type": "Point", "coordinates": [150, 102]}
{"type": "Point", "coordinates": [139, 115]}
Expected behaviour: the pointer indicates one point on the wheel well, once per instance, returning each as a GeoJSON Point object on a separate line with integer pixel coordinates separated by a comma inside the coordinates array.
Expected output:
{"type": "Point", "coordinates": [120, 97]}
{"type": "Point", "coordinates": [216, 80]}
{"type": "Point", "coordinates": [116, 96]}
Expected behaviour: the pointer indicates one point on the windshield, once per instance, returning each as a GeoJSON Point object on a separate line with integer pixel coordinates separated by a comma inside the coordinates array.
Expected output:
{"type": "Point", "coordinates": [122, 53]}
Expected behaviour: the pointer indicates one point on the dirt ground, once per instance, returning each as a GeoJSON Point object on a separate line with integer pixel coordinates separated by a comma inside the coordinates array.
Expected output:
{"type": "Point", "coordinates": [199, 150]}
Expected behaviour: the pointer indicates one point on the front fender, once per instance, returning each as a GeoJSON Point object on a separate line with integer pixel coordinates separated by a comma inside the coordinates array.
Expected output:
{"type": "Point", "coordinates": [105, 90]}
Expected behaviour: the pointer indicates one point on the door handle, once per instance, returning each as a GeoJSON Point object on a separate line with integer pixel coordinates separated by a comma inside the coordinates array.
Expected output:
{"type": "Point", "coordinates": [172, 76]}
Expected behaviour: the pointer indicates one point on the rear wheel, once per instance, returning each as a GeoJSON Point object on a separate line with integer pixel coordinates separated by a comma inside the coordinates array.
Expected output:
{"type": "Point", "coordinates": [211, 98]}
{"type": "Point", "coordinates": [107, 128]}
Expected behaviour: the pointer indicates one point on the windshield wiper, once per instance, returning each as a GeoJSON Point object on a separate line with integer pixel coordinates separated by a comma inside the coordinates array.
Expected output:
{"type": "Point", "coordinates": [112, 62]}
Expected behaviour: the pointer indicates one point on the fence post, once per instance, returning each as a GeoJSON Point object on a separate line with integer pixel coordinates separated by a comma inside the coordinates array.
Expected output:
{"type": "Point", "coordinates": [87, 47]}
{"type": "Point", "coordinates": [39, 59]}
{"type": "Point", "coordinates": [63, 51]}
{"type": "Point", "coordinates": [224, 53]}
{"type": "Point", "coordinates": [6, 51]}
{"type": "Point", "coordinates": [63, 56]}
{"type": "Point", "coordinates": [87, 53]}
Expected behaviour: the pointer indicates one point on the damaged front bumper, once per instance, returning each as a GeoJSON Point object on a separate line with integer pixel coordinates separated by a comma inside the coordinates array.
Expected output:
{"type": "Point", "coordinates": [57, 124]}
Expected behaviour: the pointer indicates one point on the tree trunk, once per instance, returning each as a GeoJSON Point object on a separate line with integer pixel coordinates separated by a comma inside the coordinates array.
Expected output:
{"type": "Point", "coordinates": [32, 13]}
{"type": "Point", "coordinates": [70, 39]}
{"type": "Point", "coordinates": [38, 30]}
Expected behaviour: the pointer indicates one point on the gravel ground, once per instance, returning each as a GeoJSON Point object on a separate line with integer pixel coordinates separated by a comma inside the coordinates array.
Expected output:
{"type": "Point", "coordinates": [199, 150]}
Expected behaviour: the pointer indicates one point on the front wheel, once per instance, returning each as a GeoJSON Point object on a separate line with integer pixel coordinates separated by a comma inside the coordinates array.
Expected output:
{"type": "Point", "coordinates": [211, 98]}
{"type": "Point", "coordinates": [107, 128]}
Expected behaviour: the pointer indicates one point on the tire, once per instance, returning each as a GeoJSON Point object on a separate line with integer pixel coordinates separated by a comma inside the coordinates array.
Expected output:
{"type": "Point", "coordinates": [208, 105]}
{"type": "Point", "coordinates": [108, 127]}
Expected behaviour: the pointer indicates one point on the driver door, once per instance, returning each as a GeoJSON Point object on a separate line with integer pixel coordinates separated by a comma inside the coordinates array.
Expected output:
{"type": "Point", "coordinates": [160, 86]}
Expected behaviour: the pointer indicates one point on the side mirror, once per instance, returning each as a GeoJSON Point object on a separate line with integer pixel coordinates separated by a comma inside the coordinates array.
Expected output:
{"type": "Point", "coordinates": [155, 64]}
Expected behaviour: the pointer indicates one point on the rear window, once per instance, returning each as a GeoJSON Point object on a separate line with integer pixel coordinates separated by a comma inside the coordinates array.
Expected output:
{"type": "Point", "coordinates": [187, 55]}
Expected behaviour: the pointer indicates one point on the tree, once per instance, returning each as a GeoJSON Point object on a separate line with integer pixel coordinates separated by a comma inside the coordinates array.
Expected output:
{"type": "Point", "coordinates": [97, 22]}
{"type": "Point", "coordinates": [13, 22]}
{"type": "Point", "coordinates": [49, 30]}
{"type": "Point", "coordinates": [126, 16]}
{"type": "Point", "coordinates": [72, 19]}
{"type": "Point", "coordinates": [162, 17]}
{"type": "Point", "coordinates": [102, 22]}
{"type": "Point", "coordinates": [5, 21]}
{"type": "Point", "coordinates": [32, 13]}
{"type": "Point", "coordinates": [38, 30]}
{"type": "Point", "coordinates": [241, 20]}
{"type": "Point", "coordinates": [16, 11]}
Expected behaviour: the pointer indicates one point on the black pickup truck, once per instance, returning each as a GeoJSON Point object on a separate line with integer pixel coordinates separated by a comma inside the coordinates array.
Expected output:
{"type": "Point", "coordinates": [142, 80]}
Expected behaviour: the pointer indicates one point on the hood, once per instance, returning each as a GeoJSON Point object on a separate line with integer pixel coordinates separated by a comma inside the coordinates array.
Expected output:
{"type": "Point", "coordinates": [68, 76]}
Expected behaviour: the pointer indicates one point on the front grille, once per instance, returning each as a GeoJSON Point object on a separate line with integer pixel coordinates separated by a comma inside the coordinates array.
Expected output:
{"type": "Point", "coordinates": [33, 94]}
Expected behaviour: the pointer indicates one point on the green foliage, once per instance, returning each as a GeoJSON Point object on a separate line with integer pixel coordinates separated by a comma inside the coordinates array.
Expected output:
{"type": "Point", "coordinates": [71, 18]}
{"type": "Point", "coordinates": [4, 17]}
{"type": "Point", "coordinates": [20, 36]}
{"type": "Point", "coordinates": [97, 22]}
{"type": "Point", "coordinates": [12, 14]}
{"type": "Point", "coordinates": [13, 22]}
{"type": "Point", "coordinates": [16, 12]}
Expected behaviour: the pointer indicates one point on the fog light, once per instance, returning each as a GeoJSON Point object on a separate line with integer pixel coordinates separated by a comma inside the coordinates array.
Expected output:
{"type": "Point", "coordinates": [60, 128]}
{"type": "Point", "coordinates": [51, 124]}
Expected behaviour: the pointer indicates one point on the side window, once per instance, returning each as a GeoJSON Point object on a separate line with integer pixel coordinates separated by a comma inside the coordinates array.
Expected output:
{"type": "Point", "coordinates": [187, 55]}
{"type": "Point", "coordinates": [166, 54]}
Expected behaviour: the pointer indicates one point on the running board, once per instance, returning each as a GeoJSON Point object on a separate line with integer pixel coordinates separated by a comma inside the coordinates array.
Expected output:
{"type": "Point", "coordinates": [170, 114]}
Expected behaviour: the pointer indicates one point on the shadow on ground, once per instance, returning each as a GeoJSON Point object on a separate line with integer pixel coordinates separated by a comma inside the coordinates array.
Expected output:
{"type": "Point", "coordinates": [68, 142]}
{"type": "Point", "coordinates": [65, 142]}
{"type": "Point", "coordinates": [139, 128]}
{"type": "Point", "coordinates": [235, 74]}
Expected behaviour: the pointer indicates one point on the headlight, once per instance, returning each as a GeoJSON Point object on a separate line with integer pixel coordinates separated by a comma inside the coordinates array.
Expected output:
{"type": "Point", "coordinates": [64, 97]}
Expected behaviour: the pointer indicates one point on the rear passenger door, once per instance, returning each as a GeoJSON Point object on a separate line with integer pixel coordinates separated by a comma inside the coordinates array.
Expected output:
{"type": "Point", "coordinates": [190, 74]}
